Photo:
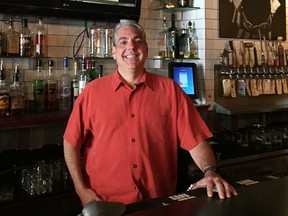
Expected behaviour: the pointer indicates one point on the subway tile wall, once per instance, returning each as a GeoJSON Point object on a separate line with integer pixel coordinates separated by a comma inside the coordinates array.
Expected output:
{"type": "Point", "coordinates": [62, 34]}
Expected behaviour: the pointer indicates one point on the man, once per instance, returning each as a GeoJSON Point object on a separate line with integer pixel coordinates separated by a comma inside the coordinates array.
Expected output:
{"type": "Point", "coordinates": [128, 125]}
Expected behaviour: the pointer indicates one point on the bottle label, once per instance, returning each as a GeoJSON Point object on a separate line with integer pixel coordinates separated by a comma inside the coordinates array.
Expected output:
{"type": "Point", "coordinates": [75, 89]}
{"type": "Point", "coordinates": [40, 45]}
{"type": "Point", "coordinates": [82, 85]}
{"type": "Point", "coordinates": [25, 46]}
{"type": "Point", "coordinates": [39, 87]}
{"type": "Point", "coordinates": [51, 92]}
{"type": "Point", "coordinates": [18, 102]}
{"type": "Point", "coordinates": [12, 44]}
{"type": "Point", "coordinates": [4, 101]}
{"type": "Point", "coordinates": [65, 91]}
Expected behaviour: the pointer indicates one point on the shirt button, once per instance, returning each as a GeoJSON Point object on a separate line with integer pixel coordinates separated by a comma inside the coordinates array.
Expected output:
{"type": "Point", "coordinates": [133, 140]}
{"type": "Point", "coordinates": [134, 166]}
{"type": "Point", "coordinates": [132, 115]}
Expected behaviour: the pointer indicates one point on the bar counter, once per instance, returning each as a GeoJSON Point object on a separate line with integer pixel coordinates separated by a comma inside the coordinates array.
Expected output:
{"type": "Point", "coordinates": [265, 198]}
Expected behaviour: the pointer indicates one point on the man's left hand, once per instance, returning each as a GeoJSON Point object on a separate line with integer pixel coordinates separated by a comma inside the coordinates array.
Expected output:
{"type": "Point", "coordinates": [214, 183]}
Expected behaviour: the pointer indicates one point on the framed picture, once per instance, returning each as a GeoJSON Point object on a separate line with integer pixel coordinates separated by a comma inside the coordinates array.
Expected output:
{"type": "Point", "coordinates": [248, 19]}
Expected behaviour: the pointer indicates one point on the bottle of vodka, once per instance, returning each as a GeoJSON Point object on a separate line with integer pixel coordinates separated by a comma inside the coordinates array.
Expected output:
{"type": "Point", "coordinates": [39, 89]}
{"type": "Point", "coordinates": [83, 76]}
{"type": "Point", "coordinates": [51, 89]}
{"type": "Point", "coordinates": [65, 87]}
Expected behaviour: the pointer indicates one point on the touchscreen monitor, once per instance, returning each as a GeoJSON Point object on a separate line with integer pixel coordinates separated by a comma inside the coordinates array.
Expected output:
{"type": "Point", "coordinates": [185, 74]}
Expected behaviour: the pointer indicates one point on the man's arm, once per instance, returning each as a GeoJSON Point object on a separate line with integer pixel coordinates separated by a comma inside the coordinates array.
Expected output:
{"type": "Point", "coordinates": [204, 157]}
{"type": "Point", "coordinates": [73, 161]}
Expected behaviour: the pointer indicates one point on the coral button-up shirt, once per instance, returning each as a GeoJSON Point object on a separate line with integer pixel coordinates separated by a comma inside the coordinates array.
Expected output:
{"type": "Point", "coordinates": [130, 136]}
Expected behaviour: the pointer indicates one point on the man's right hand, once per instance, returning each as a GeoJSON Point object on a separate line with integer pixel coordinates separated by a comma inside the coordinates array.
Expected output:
{"type": "Point", "coordinates": [87, 195]}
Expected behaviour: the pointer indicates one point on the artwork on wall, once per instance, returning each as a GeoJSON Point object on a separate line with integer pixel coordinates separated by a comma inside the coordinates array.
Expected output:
{"type": "Point", "coordinates": [248, 19]}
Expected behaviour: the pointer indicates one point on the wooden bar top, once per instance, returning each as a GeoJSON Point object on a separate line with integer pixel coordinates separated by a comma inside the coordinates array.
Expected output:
{"type": "Point", "coordinates": [265, 198]}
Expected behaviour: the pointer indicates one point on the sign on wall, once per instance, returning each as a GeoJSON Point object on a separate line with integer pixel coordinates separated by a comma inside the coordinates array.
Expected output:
{"type": "Point", "coordinates": [248, 19]}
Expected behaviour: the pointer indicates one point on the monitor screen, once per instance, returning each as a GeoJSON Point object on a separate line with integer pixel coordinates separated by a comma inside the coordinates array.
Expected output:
{"type": "Point", "coordinates": [185, 74]}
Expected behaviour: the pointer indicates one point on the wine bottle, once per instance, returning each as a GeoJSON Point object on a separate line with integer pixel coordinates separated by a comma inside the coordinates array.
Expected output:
{"type": "Point", "coordinates": [182, 42]}
{"type": "Point", "coordinates": [173, 39]}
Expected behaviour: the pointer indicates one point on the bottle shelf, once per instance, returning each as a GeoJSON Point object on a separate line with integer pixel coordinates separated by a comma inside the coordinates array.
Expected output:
{"type": "Point", "coordinates": [90, 57]}
{"type": "Point", "coordinates": [25, 57]}
{"type": "Point", "coordinates": [175, 59]}
{"type": "Point", "coordinates": [34, 119]}
{"type": "Point", "coordinates": [177, 9]}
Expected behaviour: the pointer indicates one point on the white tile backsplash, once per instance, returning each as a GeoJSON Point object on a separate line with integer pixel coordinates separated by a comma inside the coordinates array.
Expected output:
{"type": "Point", "coordinates": [62, 34]}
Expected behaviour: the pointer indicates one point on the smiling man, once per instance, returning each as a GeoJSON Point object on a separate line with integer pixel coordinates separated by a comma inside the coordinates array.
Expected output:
{"type": "Point", "coordinates": [126, 127]}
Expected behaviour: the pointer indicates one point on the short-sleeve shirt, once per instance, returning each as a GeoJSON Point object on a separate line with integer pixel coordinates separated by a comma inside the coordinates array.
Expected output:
{"type": "Point", "coordinates": [129, 137]}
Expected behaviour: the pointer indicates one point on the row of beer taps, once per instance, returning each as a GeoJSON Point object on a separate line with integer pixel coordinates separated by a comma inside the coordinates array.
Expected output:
{"type": "Point", "coordinates": [272, 53]}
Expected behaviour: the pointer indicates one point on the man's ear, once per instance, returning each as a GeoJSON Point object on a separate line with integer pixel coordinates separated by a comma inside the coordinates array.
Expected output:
{"type": "Point", "coordinates": [113, 52]}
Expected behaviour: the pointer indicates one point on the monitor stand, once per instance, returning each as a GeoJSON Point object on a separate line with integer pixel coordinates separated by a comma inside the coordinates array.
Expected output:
{"type": "Point", "coordinates": [197, 101]}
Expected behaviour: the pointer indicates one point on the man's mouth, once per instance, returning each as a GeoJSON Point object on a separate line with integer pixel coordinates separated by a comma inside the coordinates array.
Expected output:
{"type": "Point", "coordinates": [131, 56]}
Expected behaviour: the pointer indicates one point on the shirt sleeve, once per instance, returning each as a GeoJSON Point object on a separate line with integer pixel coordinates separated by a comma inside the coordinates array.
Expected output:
{"type": "Point", "coordinates": [76, 129]}
{"type": "Point", "coordinates": [191, 127]}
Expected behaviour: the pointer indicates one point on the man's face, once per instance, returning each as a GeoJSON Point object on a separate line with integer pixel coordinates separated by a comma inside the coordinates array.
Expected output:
{"type": "Point", "coordinates": [131, 49]}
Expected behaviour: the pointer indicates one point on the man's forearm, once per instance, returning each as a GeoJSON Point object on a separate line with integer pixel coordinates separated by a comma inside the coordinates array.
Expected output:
{"type": "Point", "coordinates": [203, 155]}
{"type": "Point", "coordinates": [73, 162]}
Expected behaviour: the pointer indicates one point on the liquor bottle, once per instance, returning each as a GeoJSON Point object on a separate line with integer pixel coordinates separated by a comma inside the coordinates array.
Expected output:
{"type": "Point", "coordinates": [1, 43]}
{"type": "Point", "coordinates": [25, 40]}
{"type": "Point", "coordinates": [83, 77]}
{"type": "Point", "coordinates": [11, 41]}
{"type": "Point", "coordinates": [40, 44]}
{"type": "Point", "coordinates": [100, 71]}
{"type": "Point", "coordinates": [17, 94]}
{"type": "Point", "coordinates": [74, 85]}
{"type": "Point", "coordinates": [65, 87]}
{"type": "Point", "coordinates": [162, 40]}
{"type": "Point", "coordinates": [182, 42]}
{"type": "Point", "coordinates": [39, 89]}
{"type": "Point", "coordinates": [170, 4]}
{"type": "Point", "coordinates": [194, 42]}
{"type": "Point", "coordinates": [173, 39]}
{"type": "Point", "coordinates": [92, 73]}
{"type": "Point", "coordinates": [88, 68]}
{"type": "Point", "coordinates": [4, 93]}
{"type": "Point", "coordinates": [182, 3]}
{"type": "Point", "coordinates": [187, 53]}
{"type": "Point", "coordinates": [108, 42]}
{"type": "Point", "coordinates": [51, 89]}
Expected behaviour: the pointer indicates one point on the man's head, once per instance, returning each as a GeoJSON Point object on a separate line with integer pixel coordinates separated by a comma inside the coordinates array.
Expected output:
{"type": "Point", "coordinates": [126, 22]}
{"type": "Point", "coordinates": [129, 45]}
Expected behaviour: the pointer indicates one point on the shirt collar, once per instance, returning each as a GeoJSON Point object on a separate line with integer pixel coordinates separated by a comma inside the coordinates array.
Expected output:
{"type": "Point", "coordinates": [118, 81]}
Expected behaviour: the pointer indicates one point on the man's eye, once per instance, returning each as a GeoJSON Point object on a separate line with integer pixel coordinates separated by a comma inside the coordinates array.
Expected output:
{"type": "Point", "coordinates": [139, 40]}
{"type": "Point", "coordinates": [123, 42]}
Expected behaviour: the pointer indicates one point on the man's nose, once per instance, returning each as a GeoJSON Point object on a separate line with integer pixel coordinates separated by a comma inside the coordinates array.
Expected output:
{"type": "Point", "coordinates": [131, 44]}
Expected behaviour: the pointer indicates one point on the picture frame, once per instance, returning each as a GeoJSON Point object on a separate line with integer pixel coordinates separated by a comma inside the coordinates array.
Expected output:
{"type": "Point", "coordinates": [252, 18]}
